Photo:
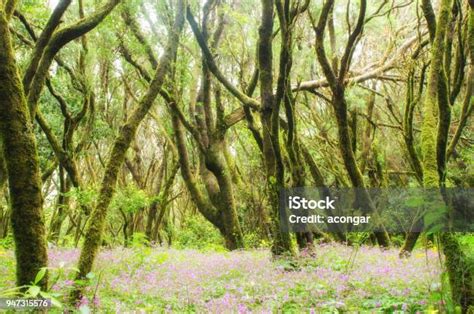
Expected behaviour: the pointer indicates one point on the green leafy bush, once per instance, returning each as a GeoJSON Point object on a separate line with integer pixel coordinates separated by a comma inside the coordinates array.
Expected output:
{"type": "Point", "coordinates": [130, 199]}
{"type": "Point", "coordinates": [198, 233]}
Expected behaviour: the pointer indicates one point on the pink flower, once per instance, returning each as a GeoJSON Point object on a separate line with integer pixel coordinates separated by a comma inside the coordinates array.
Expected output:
{"type": "Point", "coordinates": [96, 301]}
{"type": "Point", "coordinates": [241, 308]}
{"type": "Point", "coordinates": [82, 302]}
{"type": "Point", "coordinates": [68, 282]}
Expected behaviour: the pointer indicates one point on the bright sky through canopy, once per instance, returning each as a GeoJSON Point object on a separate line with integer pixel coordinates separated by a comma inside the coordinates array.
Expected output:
{"type": "Point", "coordinates": [52, 3]}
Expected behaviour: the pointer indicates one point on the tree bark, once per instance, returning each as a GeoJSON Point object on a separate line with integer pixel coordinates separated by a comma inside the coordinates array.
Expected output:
{"type": "Point", "coordinates": [269, 116]}
{"type": "Point", "coordinates": [337, 86]}
{"type": "Point", "coordinates": [20, 153]}
{"type": "Point", "coordinates": [436, 121]}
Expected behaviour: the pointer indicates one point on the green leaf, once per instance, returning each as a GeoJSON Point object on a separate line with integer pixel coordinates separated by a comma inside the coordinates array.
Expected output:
{"type": "Point", "coordinates": [33, 291]}
{"type": "Point", "coordinates": [80, 282]}
{"type": "Point", "coordinates": [11, 291]}
{"type": "Point", "coordinates": [55, 302]}
{"type": "Point", "coordinates": [90, 276]}
{"type": "Point", "coordinates": [74, 269]}
{"type": "Point", "coordinates": [40, 275]}
{"type": "Point", "coordinates": [414, 201]}
{"type": "Point", "coordinates": [44, 294]}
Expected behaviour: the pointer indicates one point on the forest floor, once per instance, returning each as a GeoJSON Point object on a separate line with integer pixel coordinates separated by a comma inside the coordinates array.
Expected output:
{"type": "Point", "coordinates": [338, 277]}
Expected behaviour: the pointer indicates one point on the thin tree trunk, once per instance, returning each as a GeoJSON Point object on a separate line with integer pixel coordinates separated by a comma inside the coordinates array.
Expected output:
{"type": "Point", "coordinates": [93, 236]}
{"type": "Point", "coordinates": [337, 85]}
{"type": "Point", "coordinates": [270, 128]}
{"type": "Point", "coordinates": [61, 207]}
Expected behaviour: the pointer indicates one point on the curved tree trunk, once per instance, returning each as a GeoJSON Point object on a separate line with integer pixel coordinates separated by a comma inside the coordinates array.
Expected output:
{"type": "Point", "coordinates": [215, 162]}
{"type": "Point", "coordinates": [93, 236]}
{"type": "Point", "coordinates": [217, 205]}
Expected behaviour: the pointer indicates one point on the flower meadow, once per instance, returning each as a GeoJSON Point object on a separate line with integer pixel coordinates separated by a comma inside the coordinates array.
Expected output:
{"type": "Point", "coordinates": [336, 278]}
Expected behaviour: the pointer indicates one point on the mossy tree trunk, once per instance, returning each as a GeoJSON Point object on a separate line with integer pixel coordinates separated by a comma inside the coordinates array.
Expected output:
{"type": "Point", "coordinates": [287, 17]}
{"type": "Point", "coordinates": [46, 47]}
{"type": "Point", "coordinates": [160, 205]}
{"type": "Point", "coordinates": [336, 79]}
{"type": "Point", "coordinates": [224, 200]}
{"type": "Point", "coordinates": [458, 265]}
{"type": "Point", "coordinates": [270, 118]}
{"type": "Point", "coordinates": [61, 209]}
{"type": "Point", "coordinates": [412, 99]}
{"type": "Point", "coordinates": [153, 208]}
{"type": "Point", "coordinates": [208, 128]}
{"type": "Point", "coordinates": [434, 130]}
{"type": "Point", "coordinates": [320, 182]}
{"type": "Point", "coordinates": [449, 87]}
{"type": "Point", "coordinates": [217, 204]}
{"type": "Point", "coordinates": [270, 143]}
{"type": "Point", "coordinates": [20, 153]}
{"type": "Point", "coordinates": [93, 235]}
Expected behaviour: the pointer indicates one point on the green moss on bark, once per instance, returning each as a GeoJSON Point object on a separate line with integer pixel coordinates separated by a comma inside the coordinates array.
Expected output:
{"type": "Point", "coordinates": [20, 153]}
{"type": "Point", "coordinates": [433, 137]}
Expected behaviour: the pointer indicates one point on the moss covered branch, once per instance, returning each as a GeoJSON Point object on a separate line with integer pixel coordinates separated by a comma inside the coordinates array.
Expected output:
{"type": "Point", "coordinates": [58, 40]}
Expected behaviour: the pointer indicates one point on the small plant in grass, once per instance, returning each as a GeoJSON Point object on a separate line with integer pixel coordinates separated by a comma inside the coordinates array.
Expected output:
{"type": "Point", "coordinates": [34, 290]}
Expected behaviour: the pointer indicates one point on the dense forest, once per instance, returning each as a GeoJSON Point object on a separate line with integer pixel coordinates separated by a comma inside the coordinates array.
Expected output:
{"type": "Point", "coordinates": [145, 146]}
